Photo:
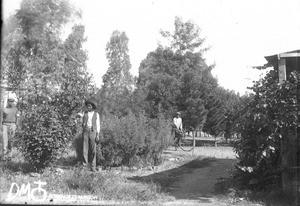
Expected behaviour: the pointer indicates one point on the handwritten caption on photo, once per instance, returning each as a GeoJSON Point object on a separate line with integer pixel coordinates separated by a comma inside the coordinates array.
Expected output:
{"type": "Point", "coordinates": [37, 194]}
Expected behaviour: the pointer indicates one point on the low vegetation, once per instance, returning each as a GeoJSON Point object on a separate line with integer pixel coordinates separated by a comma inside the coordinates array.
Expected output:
{"type": "Point", "coordinates": [76, 180]}
{"type": "Point", "coordinates": [134, 141]}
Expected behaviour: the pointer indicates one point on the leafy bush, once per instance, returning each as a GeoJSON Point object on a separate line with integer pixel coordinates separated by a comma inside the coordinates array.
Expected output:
{"type": "Point", "coordinates": [45, 132]}
{"type": "Point", "coordinates": [272, 108]}
{"type": "Point", "coordinates": [131, 139]}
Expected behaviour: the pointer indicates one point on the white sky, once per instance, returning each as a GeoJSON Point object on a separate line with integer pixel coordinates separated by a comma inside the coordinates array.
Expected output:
{"type": "Point", "coordinates": [239, 32]}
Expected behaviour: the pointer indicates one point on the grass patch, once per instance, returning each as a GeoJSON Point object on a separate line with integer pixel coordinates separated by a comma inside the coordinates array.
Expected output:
{"type": "Point", "coordinates": [106, 185]}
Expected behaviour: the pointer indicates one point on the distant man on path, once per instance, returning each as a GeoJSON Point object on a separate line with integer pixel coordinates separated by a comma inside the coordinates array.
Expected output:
{"type": "Point", "coordinates": [9, 127]}
{"type": "Point", "coordinates": [177, 128]}
{"type": "Point", "coordinates": [91, 131]}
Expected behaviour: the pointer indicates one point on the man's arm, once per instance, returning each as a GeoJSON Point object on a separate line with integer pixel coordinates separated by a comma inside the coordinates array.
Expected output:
{"type": "Point", "coordinates": [98, 128]}
{"type": "Point", "coordinates": [18, 118]}
{"type": "Point", "coordinates": [180, 126]}
{"type": "Point", "coordinates": [98, 123]}
{"type": "Point", "coordinates": [3, 114]}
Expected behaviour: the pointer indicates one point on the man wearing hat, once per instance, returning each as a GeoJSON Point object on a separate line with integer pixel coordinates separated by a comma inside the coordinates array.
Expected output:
{"type": "Point", "coordinates": [9, 127]}
{"type": "Point", "coordinates": [91, 130]}
{"type": "Point", "coordinates": [177, 121]}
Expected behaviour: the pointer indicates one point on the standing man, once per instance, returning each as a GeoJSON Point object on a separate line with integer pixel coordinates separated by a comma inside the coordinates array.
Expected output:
{"type": "Point", "coordinates": [91, 131]}
{"type": "Point", "coordinates": [178, 128]}
{"type": "Point", "coordinates": [9, 127]}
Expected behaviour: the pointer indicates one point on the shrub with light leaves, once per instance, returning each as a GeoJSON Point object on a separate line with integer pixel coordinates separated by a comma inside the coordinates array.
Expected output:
{"type": "Point", "coordinates": [133, 140]}
{"type": "Point", "coordinates": [271, 108]}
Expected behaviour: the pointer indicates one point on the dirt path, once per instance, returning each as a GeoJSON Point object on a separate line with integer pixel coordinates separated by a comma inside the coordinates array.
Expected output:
{"type": "Point", "coordinates": [190, 177]}
{"type": "Point", "coordinates": [201, 182]}
{"type": "Point", "coordinates": [197, 186]}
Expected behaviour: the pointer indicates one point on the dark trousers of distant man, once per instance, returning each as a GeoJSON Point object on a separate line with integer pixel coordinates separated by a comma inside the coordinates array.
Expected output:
{"type": "Point", "coordinates": [178, 136]}
{"type": "Point", "coordinates": [9, 130]}
{"type": "Point", "coordinates": [89, 148]}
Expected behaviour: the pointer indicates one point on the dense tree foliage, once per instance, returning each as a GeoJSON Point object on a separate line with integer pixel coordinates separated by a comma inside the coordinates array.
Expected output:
{"type": "Point", "coordinates": [158, 81]}
{"type": "Point", "coordinates": [186, 37]}
{"type": "Point", "coordinates": [176, 77]}
{"type": "Point", "coordinates": [52, 74]}
{"type": "Point", "coordinates": [196, 86]}
{"type": "Point", "coordinates": [166, 74]}
{"type": "Point", "coordinates": [118, 83]}
{"type": "Point", "coordinates": [234, 105]}
{"type": "Point", "coordinates": [223, 109]}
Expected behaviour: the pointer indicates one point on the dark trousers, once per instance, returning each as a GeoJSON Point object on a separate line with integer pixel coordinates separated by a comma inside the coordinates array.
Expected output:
{"type": "Point", "coordinates": [9, 130]}
{"type": "Point", "coordinates": [178, 136]}
{"type": "Point", "coordinates": [89, 148]}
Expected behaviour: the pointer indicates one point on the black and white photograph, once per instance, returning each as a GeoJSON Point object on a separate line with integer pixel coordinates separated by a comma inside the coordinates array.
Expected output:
{"type": "Point", "coordinates": [150, 102]}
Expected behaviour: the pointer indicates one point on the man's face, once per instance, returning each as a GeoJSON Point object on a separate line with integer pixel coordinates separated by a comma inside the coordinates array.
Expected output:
{"type": "Point", "coordinates": [10, 103]}
{"type": "Point", "coordinates": [89, 107]}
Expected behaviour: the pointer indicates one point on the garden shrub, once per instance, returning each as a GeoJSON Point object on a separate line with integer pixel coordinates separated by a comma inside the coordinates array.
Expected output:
{"type": "Point", "coordinates": [44, 134]}
{"type": "Point", "coordinates": [132, 139]}
{"type": "Point", "coordinates": [272, 108]}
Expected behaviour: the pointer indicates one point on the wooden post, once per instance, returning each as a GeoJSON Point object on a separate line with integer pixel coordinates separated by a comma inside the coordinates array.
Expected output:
{"type": "Point", "coordinates": [1, 103]}
{"type": "Point", "coordinates": [284, 161]}
{"type": "Point", "coordinates": [216, 144]}
{"type": "Point", "coordinates": [194, 142]}
{"type": "Point", "coordinates": [281, 70]}
{"type": "Point", "coordinates": [2, 92]}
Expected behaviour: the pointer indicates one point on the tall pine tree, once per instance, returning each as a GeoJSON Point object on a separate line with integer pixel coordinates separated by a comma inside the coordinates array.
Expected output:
{"type": "Point", "coordinates": [118, 83]}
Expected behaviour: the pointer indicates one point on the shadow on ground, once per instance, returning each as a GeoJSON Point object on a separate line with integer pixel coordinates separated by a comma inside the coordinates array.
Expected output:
{"type": "Point", "coordinates": [166, 178]}
{"type": "Point", "coordinates": [207, 181]}
{"type": "Point", "coordinates": [194, 180]}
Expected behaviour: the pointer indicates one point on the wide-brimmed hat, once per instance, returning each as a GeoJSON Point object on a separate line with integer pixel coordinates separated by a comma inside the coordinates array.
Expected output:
{"type": "Point", "coordinates": [92, 102]}
{"type": "Point", "coordinates": [178, 113]}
